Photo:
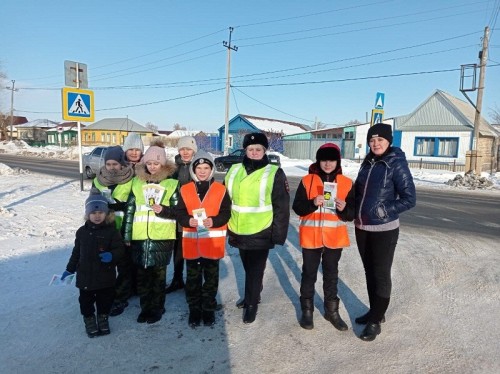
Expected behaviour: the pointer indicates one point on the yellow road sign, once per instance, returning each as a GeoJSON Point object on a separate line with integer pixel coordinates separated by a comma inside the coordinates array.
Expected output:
{"type": "Point", "coordinates": [77, 104]}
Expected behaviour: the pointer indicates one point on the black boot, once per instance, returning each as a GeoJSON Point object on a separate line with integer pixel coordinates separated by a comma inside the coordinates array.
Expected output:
{"type": "Point", "coordinates": [370, 332]}
{"type": "Point", "coordinates": [103, 324]}
{"type": "Point", "coordinates": [365, 318]}
{"type": "Point", "coordinates": [118, 308]}
{"type": "Point", "coordinates": [194, 319]}
{"type": "Point", "coordinates": [91, 326]}
{"type": "Point", "coordinates": [332, 314]}
{"type": "Point", "coordinates": [306, 320]}
{"type": "Point", "coordinates": [208, 317]}
{"type": "Point", "coordinates": [250, 313]}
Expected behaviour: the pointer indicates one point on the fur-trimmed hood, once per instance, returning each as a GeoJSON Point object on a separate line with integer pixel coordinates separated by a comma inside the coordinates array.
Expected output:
{"type": "Point", "coordinates": [165, 172]}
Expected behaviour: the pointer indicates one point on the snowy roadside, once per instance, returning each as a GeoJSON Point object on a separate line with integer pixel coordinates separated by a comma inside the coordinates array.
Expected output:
{"type": "Point", "coordinates": [440, 319]}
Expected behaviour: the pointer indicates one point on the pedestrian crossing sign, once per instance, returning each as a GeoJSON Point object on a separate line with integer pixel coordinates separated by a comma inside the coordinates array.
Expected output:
{"type": "Point", "coordinates": [377, 116]}
{"type": "Point", "coordinates": [78, 104]}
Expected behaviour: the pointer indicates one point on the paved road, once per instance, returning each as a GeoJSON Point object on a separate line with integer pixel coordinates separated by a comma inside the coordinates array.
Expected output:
{"type": "Point", "coordinates": [472, 212]}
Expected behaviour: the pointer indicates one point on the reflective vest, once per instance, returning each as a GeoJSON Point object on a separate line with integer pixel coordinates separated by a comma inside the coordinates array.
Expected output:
{"type": "Point", "coordinates": [146, 224]}
{"type": "Point", "coordinates": [323, 228]}
{"type": "Point", "coordinates": [251, 209]}
{"type": "Point", "coordinates": [210, 242]}
{"type": "Point", "coordinates": [120, 193]}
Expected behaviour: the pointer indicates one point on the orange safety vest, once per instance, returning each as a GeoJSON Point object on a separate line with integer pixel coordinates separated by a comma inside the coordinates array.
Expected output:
{"type": "Point", "coordinates": [323, 228]}
{"type": "Point", "coordinates": [209, 243]}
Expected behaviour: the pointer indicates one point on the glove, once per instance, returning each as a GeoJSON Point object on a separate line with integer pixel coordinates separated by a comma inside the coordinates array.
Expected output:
{"type": "Point", "coordinates": [106, 257]}
{"type": "Point", "coordinates": [65, 274]}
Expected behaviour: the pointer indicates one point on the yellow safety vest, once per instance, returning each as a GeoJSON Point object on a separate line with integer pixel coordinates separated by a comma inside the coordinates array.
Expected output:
{"type": "Point", "coordinates": [146, 224]}
{"type": "Point", "coordinates": [251, 209]}
{"type": "Point", "coordinates": [120, 193]}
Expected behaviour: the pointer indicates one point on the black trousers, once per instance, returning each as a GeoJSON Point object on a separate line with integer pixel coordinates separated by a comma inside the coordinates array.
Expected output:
{"type": "Point", "coordinates": [377, 253]}
{"type": "Point", "coordinates": [126, 281]}
{"type": "Point", "coordinates": [151, 288]}
{"type": "Point", "coordinates": [254, 263]}
{"type": "Point", "coordinates": [178, 259]}
{"type": "Point", "coordinates": [329, 259]}
{"type": "Point", "coordinates": [102, 298]}
{"type": "Point", "coordinates": [202, 283]}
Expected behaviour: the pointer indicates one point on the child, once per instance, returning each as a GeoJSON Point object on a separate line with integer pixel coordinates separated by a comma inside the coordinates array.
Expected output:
{"type": "Point", "coordinates": [114, 180]}
{"type": "Point", "coordinates": [203, 211]}
{"type": "Point", "coordinates": [133, 148]}
{"type": "Point", "coordinates": [187, 147]}
{"type": "Point", "coordinates": [323, 232]}
{"type": "Point", "coordinates": [149, 228]}
{"type": "Point", "coordinates": [98, 247]}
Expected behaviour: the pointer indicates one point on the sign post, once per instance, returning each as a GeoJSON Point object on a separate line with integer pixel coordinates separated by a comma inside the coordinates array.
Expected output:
{"type": "Point", "coordinates": [378, 112]}
{"type": "Point", "coordinates": [78, 105]}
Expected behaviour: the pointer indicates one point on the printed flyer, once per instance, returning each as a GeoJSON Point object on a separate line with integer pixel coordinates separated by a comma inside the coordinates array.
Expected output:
{"type": "Point", "coordinates": [330, 193]}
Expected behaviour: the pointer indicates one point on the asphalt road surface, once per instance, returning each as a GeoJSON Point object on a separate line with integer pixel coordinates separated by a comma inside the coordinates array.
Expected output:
{"type": "Point", "coordinates": [472, 212]}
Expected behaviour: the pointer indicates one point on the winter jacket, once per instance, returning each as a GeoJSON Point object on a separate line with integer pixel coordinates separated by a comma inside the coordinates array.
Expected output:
{"type": "Point", "coordinates": [182, 174]}
{"type": "Point", "coordinates": [320, 227]}
{"type": "Point", "coordinates": [150, 252]}
{"type": "Point", "coordinates": [280, 200]}
{"type": "Point", "coordinates": [213, 197]}
{"type": "Point", "coordinates": [90, 241]}
{"type": "Point", "coordinates": [384, 188]}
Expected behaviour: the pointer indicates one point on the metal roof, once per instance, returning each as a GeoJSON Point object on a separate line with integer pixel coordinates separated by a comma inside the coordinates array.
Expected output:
{"type": "Point", "coordinates": [123, 124]}
{"type": "Point", "coordinates": [442, 112]}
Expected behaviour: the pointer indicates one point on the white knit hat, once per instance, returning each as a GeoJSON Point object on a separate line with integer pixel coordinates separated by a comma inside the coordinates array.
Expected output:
{"type": "Point", "coordinates": [133, 141]}
{"type": "Point", "coordinates": [187, 142]}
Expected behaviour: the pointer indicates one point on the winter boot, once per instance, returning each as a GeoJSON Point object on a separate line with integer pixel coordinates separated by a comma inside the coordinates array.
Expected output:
{"type": "Point", "coordinates": [370, 332]}
{"type": "Point", "coordinates": [306, 320]}
{"type": "Point", "coordinates": [194, 319]}
{"type": "Point", "coordinates": [332, 314]}
{"type": "Point", "coordinates": [102, 322]}
{"type": "Point", "coordinates": [118, 308]}
{"type": "Point", "coordinates": [91, 326]}
{"type": "Point", "coordinates": [250, 313]}
{"type": "Point", "coordinates": [208, 317]}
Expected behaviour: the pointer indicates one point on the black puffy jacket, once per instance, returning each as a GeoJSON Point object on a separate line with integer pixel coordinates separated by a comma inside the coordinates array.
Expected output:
{"type": "Point", "coordinates": [384, 188]}
{"type": "Point", "coordinates": [90, 241]}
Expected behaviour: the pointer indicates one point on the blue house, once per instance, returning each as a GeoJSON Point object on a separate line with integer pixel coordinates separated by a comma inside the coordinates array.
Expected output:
{"type": "Point", "coordinates": [274, 129]}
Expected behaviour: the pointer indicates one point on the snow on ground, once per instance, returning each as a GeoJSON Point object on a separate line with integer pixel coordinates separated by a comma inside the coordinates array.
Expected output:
{"type": "Point", "coordinates": [442, 317]}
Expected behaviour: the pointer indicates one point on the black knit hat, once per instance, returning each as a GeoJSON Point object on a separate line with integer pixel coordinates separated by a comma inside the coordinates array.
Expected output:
{"type": "Point", "coordinates": [380, 130]}
{"type": "Point", "coordinates": [328, 152]}
{"type": "Point", "coordinates": [255, 138]}
{"type": "Point", "coordinates": [115, 153]}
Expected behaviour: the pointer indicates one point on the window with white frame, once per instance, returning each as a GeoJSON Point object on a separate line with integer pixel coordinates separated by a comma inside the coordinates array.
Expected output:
{"type": "Point", "coordinates": [436, 147]}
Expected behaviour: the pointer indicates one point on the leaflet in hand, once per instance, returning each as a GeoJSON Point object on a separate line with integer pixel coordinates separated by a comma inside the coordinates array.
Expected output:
{"type": "Point", "coordinates": [153, 194]}
{"type": "Point", "coordinates": [330, 193]}
{"type": "Point", "coordinates": [56, 280]}
{"type": "Point", "coordinates": [199, 215]}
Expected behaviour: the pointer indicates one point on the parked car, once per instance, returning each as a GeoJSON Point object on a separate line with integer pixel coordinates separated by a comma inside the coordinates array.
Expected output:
{"type": "Point", "coordinates": [93, 161]}
{"type": "Point", "coordinates": [223, 163]}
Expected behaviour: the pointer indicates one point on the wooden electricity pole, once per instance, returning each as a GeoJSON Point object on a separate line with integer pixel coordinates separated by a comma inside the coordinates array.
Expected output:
{"type": "Point", "coordinates": [483, 57]}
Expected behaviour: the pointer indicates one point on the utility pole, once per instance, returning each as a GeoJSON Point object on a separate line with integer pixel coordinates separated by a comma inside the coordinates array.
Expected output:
{"type": "Point", "coordinates": [483, 57]}
{"type": "Point", "coordinates": [228, 85]}
{"type": "Point", "coordinates": [12, 89]}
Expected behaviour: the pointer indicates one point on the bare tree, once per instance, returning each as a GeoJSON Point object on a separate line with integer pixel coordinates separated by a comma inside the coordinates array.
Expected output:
{"type": "Point", "coordinates": [495, 115]}
{"type": "Point", "coordinates": [179, 127]}
{"type": "Point", "coordinates": [352, 122]}
{"type": "Point", "coordinates": [152, 127]}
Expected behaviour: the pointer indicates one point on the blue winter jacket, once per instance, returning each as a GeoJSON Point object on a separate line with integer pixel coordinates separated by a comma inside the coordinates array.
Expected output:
{"type": "Point", "coordinates": [384, 188]}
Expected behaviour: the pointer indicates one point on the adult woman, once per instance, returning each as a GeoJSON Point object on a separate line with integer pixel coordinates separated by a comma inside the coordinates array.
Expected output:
{"type": "Point", "coordinates": [384, 188]}
{"type": "Point", "coordinates": [260, 213]}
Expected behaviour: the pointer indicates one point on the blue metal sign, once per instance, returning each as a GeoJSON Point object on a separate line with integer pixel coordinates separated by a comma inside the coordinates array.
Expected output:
{"type": "Point", "coordinates": [78, 104]}
{"type": "Point", "coordinates": [379, 100]}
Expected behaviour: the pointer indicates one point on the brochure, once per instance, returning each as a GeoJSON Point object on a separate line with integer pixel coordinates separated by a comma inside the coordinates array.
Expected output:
{"type": "Point", "coordinates": [153, 194]}
{"type": "Point", "coordinates": [106, 192]}
{"type": "Point", "coordinates": [200, 214]}
{"type": "Point", "coordinates": [330, 193]}
{"type": "Point", "coordinates": [56, 280]}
